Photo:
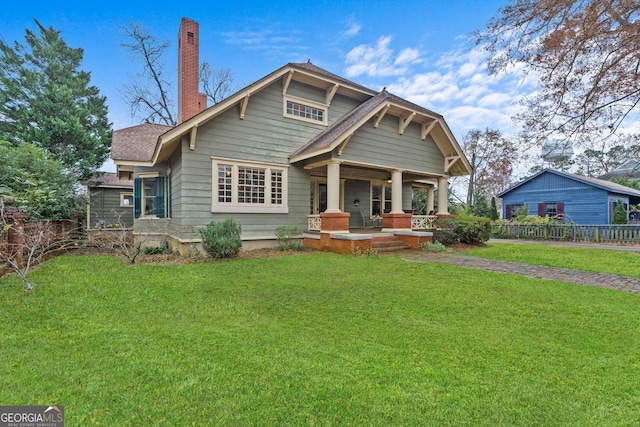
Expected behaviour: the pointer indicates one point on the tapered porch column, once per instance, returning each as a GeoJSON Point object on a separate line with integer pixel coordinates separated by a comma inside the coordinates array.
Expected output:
{"type": "Point", "coordinates": [396, 220]}
{"type": "Point", "coordinates": [443, 196]}
{"type": "Point", "coordinates": [430, 199]}
{"type": "Point", "coordinates": [333, 220]}
{"type": "Point", "coordinates": [396, 192]}
{"type": "Point", "coordinates": [333, 187]}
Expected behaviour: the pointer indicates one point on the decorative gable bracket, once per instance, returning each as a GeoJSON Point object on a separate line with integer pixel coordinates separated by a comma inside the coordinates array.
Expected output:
{"type": "Point", "coordinates": [427, 128]}
{"type": "Point", "coordinates": [378, 117]}
{"type": "Point", "coordinates": [243, 105]}
{"type": "Point", "coordinates": [404, 122]}
{"type": "Point", "coordinates": [331, 92]}
{"type": "Point", "coordinates": [449, 162]}
{"type": "Point", "coordinates": [343, 144]}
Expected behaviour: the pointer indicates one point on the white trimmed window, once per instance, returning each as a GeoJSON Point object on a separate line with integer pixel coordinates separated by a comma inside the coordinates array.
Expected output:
{"type": "Point", "coordinates": [126, 200]}
{"type": "Point", "coordinates": [248, 187]}
{"type": "Point", "coordinates": [306, 110]}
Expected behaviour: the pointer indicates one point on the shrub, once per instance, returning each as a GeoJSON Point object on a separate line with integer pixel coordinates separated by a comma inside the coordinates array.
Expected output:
{"type": "Point", "coordinates": [464, 229]}
{"type": "Point", "coordinates": [289, 237]}
{"type": "Point", "coordinates": [619, 213]}
{"type": "Point", "coordinates": [434, 246]}
{"type": "Point", "coordinates": [163, 249]}
{"type": "Point", "coordinates": [222, 239]}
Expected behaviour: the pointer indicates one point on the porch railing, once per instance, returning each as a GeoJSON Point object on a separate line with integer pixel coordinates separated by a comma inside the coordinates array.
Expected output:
{"type": "Point", "coordinates": [314, 222]}
{"type": "Point", "coordinates": [423, 222]}
{"type": "Point", "coordinates": [571, 232]}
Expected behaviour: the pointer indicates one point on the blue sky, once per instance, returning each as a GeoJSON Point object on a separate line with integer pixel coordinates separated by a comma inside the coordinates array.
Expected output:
{"type": "Point", "coordinates": [417, 50]}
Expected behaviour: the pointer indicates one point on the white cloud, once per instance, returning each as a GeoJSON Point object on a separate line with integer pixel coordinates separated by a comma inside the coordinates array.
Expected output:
{"type": "Point", "coordinates": [408, 56]}
{"type": "Point", "coordinates": [378, 60]}
{"type": "Point", "coordinates": [353, 30]}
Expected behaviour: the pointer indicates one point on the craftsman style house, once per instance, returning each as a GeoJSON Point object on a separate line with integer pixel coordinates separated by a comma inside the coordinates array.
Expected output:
{"type": "Point", "coordinates": [301, 147]}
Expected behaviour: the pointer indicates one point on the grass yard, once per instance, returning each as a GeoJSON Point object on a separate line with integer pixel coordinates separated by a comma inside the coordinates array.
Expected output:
{"type": "Point", "coordinates": [317, 339]}
{"type": "Point", "coordinates": [612, 261]}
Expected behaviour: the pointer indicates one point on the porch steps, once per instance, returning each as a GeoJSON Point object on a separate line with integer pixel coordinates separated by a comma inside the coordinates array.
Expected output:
{"type": "Point", "coordinates": [387, 243]}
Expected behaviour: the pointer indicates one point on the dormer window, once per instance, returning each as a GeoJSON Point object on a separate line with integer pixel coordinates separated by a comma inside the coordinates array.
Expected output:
{"type": "Point", "coordinates": [309, 111]}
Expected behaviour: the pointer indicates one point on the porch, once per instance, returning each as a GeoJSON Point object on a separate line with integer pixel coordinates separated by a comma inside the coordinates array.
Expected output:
{"type": "Point", "coordinates": [361, 240]}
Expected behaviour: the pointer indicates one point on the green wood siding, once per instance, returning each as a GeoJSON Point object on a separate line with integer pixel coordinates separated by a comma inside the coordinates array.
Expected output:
{"type": "Point", "coordinates": [386, 147]}
{"type": "Point", "coordinates": [104, 204]}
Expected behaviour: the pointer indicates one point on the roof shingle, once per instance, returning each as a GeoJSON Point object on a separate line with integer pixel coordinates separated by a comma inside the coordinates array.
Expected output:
{"type": "Point", "coordinates": [136, 143]}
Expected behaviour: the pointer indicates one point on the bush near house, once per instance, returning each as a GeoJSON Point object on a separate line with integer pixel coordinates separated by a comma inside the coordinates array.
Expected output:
{"type": "Point", "coordinates": [463, 229]}
{"type": "Point", "coordinates": [222, 239]}
{"type": "Point", "coordinates": [289, 237]}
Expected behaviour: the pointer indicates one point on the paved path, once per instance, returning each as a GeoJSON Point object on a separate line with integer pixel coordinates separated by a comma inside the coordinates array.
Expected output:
{"type": "Point", "coordinates": [604, 280]}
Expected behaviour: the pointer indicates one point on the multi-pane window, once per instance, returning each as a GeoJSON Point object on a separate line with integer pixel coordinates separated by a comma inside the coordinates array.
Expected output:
{"type": "Point", "coordinates": [245, 187]}
{"type": "Point", "coordinates": [251, 185]}
{"type": "Point", "coordinates": [224, 183]}
{"type": "Point", "coordinates": [550, 209]}
{"type": "Point", "coordinates": [276, 187]}
{"type": "Point", "coordinates": [305, 111]}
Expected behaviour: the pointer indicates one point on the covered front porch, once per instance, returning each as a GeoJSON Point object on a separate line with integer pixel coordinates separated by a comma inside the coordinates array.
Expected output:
{"type": "Point", "coordinates": [352, 205]}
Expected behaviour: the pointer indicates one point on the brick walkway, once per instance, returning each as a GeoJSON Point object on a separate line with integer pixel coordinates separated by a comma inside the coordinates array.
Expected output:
{"type": "Point", "coordinates": [603, 280]}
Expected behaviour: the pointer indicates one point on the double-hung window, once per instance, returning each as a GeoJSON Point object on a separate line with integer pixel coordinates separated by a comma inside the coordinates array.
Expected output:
{"type": "Point", "coordinates": [249, 187]}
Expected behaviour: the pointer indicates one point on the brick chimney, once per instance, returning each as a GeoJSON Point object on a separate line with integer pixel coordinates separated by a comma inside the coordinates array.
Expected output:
{"type": "Point", "coordinates": [190, 101]}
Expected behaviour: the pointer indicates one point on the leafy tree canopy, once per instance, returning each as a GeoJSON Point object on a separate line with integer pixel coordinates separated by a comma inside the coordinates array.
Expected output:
{"type": "Point", "coordinates": [584, 54]}
{"type": "Point", "coordinates": [40, 184]}
{"type": "Point", "coordinates": [46, 99]}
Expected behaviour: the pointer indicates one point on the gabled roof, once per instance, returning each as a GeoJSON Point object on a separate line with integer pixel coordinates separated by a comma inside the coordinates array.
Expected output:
{"type": "Point", "coordinates": [310, 74]}
{"type": "Point", "coordinates": [598, 183]}
{"type": "Point", "coordinates": [136, 143]}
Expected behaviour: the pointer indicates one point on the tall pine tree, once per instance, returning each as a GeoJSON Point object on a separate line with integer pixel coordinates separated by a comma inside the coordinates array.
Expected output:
{"type": "Point", "coordinates": [46, 99]}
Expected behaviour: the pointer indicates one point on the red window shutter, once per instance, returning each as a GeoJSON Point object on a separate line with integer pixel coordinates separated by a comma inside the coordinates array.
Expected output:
{"type": "Point", "coordinates": [541, 209]}
{"type": "Point", "coordinates": [560, 208]}
{"type": "Point", "coordinates": [507, 212]}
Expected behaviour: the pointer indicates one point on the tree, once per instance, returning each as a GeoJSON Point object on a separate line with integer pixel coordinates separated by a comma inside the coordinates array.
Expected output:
{"type": "Point", "coordinates": [595, 163]}
{"type": "Point", "coordinates": [215, 82]}
{"type": "Point", "coordinates": [492, 158]}
{"type": "Point", "coordinates": [619, 214]}
{"type": "Point", "coordinates": [46, 99]}
{"type": "Point", "coordinates": [493, 210]}
{"type": "Point", "coordinates": [149, 93]}
{"type": "Point", "coordinates": [627, 182]}
{"type": "Point", "coordinates": [40, 184]}
{"type": "Point", "coordinates": [584, 55]}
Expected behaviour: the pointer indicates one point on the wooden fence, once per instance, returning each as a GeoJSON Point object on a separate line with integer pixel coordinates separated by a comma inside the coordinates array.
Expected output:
{"type": "Point", "coordinates": [597, 233]}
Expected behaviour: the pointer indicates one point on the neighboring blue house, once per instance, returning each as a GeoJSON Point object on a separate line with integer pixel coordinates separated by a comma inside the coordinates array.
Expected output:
{"type": "Point", "coordinates": [580, 199]}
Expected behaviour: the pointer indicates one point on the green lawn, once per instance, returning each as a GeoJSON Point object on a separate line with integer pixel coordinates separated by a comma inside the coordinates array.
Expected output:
{"type": "Point", "coordinates": [317, 339]}
{"type": "Point", "coordinates": [613, 261]}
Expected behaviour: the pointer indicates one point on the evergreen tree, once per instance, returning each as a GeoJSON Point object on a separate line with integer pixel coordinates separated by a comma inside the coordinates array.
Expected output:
{"type": "Point", "coordinates": [619, 214]}
{"type": "Point", "coordinates": [493, 210]}
{"type": "Point", "coordinates": [47, 100]}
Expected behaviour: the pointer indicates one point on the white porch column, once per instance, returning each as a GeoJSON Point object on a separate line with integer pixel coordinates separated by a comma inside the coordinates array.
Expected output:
{"type": "Point", "coordinates": [333, 187]}
{"type": "Point", "coordinates": [396, 192]}
{"type": "Point", "coordinates": [430, 199]}
{"type": "Point", "coordinates": [443, 196]}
